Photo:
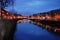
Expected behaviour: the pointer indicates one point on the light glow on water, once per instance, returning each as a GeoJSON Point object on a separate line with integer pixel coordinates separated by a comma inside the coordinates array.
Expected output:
{"type": "Point", "coordinates": [28, 31]}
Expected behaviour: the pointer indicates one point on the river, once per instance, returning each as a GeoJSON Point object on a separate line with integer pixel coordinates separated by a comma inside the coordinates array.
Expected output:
{"type": "Point", "coordinates": [29, 31]}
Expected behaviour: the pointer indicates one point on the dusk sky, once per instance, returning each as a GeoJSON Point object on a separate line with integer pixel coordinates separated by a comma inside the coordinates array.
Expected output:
{"type": "Point", "coordinates": [29, 7]}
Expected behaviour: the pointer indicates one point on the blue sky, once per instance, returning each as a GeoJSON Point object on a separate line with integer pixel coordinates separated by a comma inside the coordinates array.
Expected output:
{"type": "Point", "coordinates": [29, 7]}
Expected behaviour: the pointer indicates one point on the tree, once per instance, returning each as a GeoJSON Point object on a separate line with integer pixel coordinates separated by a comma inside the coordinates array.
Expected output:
{"type": "Point", "coordinates": [6, 3]}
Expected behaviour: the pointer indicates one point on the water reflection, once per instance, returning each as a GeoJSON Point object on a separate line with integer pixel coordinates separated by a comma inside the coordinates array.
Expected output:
{"type": "Point", "coordinates": [28, 31]}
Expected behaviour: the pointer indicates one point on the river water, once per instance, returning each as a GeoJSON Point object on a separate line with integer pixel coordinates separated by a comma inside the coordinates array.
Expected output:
{"type": "Point", "coordinates": [29, 31]}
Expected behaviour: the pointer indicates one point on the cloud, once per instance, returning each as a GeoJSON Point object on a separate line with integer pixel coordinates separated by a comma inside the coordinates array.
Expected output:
{"type": "Point", "coordinates": [33, 3]}
{"type": "Point", "coordinates": [27, 7]}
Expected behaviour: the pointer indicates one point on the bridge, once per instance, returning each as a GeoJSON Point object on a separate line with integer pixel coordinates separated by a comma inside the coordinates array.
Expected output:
{"type": "Point", "coordinates": [10, 20]}
{"type": "Point", "coordinates": [46, 20]}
